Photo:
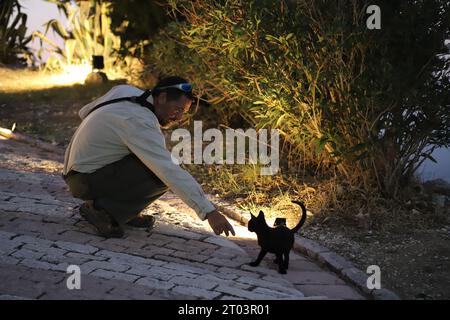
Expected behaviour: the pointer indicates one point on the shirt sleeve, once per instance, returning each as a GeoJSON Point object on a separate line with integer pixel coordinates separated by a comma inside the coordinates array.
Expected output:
{"type": "Point", "coordinates": [147, 142]}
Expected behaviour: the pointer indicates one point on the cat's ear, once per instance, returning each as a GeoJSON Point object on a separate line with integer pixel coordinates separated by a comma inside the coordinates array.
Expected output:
{"type": "Point", "coordinates": [252, 215]}
{"type": "Point", "coordinates": [261, 214]}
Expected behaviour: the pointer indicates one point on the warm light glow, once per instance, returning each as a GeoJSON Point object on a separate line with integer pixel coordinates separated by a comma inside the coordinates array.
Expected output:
{"type": "Point", "coordinates": [71, 74]}
{"type": "Point", "coordinates": [28, 80]}
{"type": "Point", "coordinates": [6, 134]}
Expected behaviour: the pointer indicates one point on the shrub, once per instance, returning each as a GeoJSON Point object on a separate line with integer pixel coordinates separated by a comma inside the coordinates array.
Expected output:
{"type": "Point", "coordinates": [13, 39]}
{"type": "Point", "coordinates": [364, 104]}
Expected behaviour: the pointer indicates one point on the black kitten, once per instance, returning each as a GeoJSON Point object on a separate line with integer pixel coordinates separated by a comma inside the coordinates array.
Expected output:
{"type": "Point", "coordinates": [278, 240]}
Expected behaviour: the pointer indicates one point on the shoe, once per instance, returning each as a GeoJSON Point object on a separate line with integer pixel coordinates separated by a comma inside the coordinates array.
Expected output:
{"type": "Point", "coordinates": [101, 220]}
{"type": "Point", "coordinates": [142, 222]}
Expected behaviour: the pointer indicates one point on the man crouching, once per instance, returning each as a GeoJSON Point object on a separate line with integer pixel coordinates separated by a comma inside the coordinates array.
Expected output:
{"type": "Point", "coordinates": [117, 160]}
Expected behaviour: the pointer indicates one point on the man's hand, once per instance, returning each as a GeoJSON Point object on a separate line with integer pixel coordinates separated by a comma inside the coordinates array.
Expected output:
{"type": "Point", "coordinates": [219, 223]}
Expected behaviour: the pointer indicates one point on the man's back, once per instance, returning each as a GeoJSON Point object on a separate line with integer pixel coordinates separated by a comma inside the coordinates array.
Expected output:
{"type": "Point", "coordinates": [99, 140]}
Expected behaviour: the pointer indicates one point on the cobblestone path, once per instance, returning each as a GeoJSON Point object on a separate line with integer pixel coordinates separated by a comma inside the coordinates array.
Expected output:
{"type": "Point", "coordinates": [42, 233]}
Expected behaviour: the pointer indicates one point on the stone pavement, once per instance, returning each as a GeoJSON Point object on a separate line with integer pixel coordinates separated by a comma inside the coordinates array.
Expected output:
{"type": "Point", "coordinates": [41, 234]}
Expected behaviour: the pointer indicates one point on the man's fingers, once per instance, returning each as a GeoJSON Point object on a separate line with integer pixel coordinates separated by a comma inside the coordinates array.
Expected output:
{"type": "Point", "coordinates": [230, 227]}
{"type": "Point", "coordinates": [223, 225]}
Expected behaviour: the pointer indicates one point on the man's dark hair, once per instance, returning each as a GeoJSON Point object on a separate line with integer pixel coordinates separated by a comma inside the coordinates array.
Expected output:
{"type": "Point", "coordinates": [172, 93]}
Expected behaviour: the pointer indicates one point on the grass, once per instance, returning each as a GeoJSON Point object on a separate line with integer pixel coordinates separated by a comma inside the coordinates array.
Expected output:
{"type": "Point", "coordinates": [40, 106]}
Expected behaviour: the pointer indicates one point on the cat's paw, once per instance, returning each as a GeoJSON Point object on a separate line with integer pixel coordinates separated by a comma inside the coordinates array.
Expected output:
{"type": "Point", "coordinates": [282, 271]}
{"type": "Point", "coordinates": [253, 264]}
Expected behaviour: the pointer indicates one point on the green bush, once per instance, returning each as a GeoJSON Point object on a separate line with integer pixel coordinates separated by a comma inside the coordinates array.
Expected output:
{"type": "Point", "coordinates": [363, 104]}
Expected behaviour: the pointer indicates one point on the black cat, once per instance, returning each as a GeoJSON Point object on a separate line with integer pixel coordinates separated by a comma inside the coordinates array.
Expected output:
{"type": "Point", "coordinates": [278, 240]}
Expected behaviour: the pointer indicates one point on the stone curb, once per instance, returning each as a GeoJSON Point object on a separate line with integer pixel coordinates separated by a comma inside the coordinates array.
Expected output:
{"type": "Point", "coordinates": [324, 256]}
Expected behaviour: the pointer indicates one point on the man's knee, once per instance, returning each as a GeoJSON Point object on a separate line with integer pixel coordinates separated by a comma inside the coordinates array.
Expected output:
{"type": "Point", "coordinates": [78, 186]}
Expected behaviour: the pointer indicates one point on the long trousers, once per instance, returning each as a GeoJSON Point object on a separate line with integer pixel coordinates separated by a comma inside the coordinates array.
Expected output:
{"type": "Point", "coordinates": [123, 188]}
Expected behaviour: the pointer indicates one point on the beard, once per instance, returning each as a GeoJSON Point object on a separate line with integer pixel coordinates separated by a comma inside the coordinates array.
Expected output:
{"type": "Point", "coordinates": [167, 124]}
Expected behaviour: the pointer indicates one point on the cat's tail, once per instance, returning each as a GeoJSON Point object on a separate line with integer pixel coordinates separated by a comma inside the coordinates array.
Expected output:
{"type": "Point", "coordinates": [302, 219]}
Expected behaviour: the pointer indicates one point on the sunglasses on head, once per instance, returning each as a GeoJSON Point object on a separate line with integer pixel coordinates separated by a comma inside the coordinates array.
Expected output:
{"type": "Point", "coordinates": [186, 87]}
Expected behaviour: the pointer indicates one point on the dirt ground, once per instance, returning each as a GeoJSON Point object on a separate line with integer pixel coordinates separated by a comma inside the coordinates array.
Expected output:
{"type": "Point", "coordinates": [415, 264]}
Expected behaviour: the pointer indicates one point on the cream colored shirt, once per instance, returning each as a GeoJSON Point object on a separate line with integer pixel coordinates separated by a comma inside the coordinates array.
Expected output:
{"type": "Point", "coordinates": [113, 131]}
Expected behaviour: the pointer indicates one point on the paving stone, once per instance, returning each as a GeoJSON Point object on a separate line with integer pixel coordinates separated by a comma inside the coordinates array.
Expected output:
{"type": "Point", "coordinates": [201, 244]}
{"type": "Point", "coordinates": [303, 265]}
{"type": "Point", "coordinates": [127, 258]}
{"type": "Point", "coordinates": [224, 242]}
{"type": "Point", "coordinates": [196, 267]}
{"type": "Point", "coordinates": [90, 266]}
{"type": "Point", "coordinates": [150, 251]}
{"type": "Point", "coordinates": [125, 243]}
{"type": "Point", "coordinates": [9, 260]}
{"type": "Point", "coordinates": [279, 294]}
{"type": "Point", "coordinates": [56, 259]}
{"type": "Point", "coordinates": [82, 256]}
{"type": "Point", "coordinates": [27, 254]}
{"type": "Point", "coordinates": [226, 297]}
{"type": "Point", "coordinates": [154, 283]}
{"type": "Point", "coordinates": [114, 275]}
{"type": "Point", "coordinates": [157, 239]}
{"type": "Point", "coordinates": [4, 196]}
{"type": "Point", "coordinates": [8, 206]}
{"type": "Point", "coordinates": [4, 235]}
{"type": "Point", "coordinates": [78, 237]}
{"type": "Point", "coordinates": [9, 246]}
{"type": "Point", "coordinates": [308, 277]}
{"type": "Point", "coordinates": [172, 270]}
{"type": "Point", "coordinates": [263, 269]}
{"type": "Point", "coordinates": [34, 240]}
{"type": "Point", "coordinates": [62, 266]}
{"type": "Point", "coordinates": [142, 270]}
{"type": "Point", "coordinates": [193, 282]}
{"type": "Point", "coordinates": [182, 247]}
{"type": "Point", "coordinates": [134, 293]}
{"type": "Point", "coordinates": [238, 272]}
{"type": "Point", "coordinates": [196, 292]}
{"type": "Point", "coordinates": [170, 230]}
{"type": "Point", "coordinates": [281, 285]}
{"type": "Point", "coordinates": [21, 287]}
{"type": "Point", "coordinates": [46, 250]}
{"type": "Point", "coordinates": [215, 278]}
{"type": "Point", "coordinates": [224, 262]}
{"type": "Point", "coordinates": [190, 256]}
{"type": "Point", "coordinates": [47, 277]}
{"type": "Point", "coordinates": [11, 297]}
{"type": "Point", "coordinates": [99, 243]}
{"type": "Point", "coordinates": [331, 291]}
{"type": "Point", "coordinates": [224, 253]}
{"type": "Point", "coordinates": [244, 293]}
{"type": "Point", "coordinates": [36, 264]}
{"type": "Point", "coordinates": [75, 247]}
